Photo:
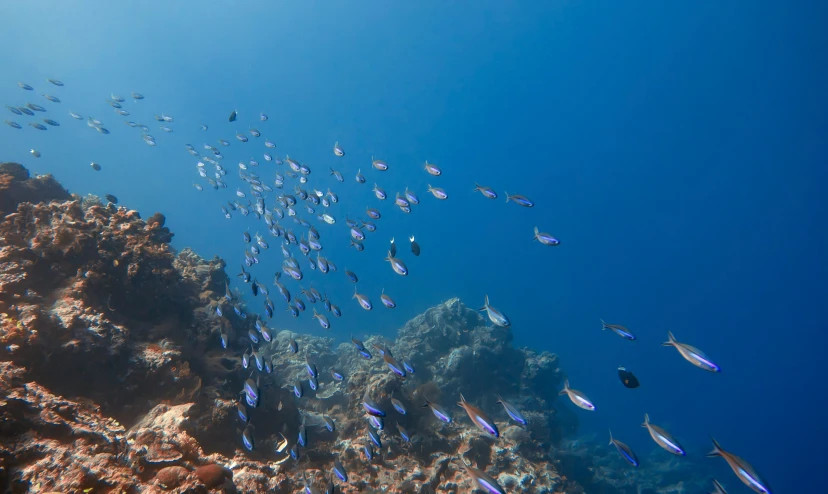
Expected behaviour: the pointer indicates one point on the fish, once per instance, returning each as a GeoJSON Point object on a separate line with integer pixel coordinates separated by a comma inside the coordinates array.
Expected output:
{"type": "Point", "coordinates": [329, 423]}
{"type": "Point", "coordinates": [577, 397]}
{"type": "Point", "coordinates": [360, 177]}
{"type": "Point", "coordinates": [25, 86]}
{"type": "Point", "coordinates": [293, 346]}
{"type": "Point", "coordinates": [663, 438]}
{"type": "Point", "coordinates": [483, 480]}
{"type": "Point", "coordinates": [247, 437]}
{"type": "Point", "coordinates": [379, 164]}
{"type": "Point", "coordinates": [363, 300]}
{"type": "Point", "coordinates": [387, 301]}
{"type": "Point", "coordinates": [339, 471]}
{"type": "Point", "coordinates": [233, 116]}
{"type": "Point", "coordinates": [263, 117]}
{"type": "Point", "coordinates": [337, 375]}
{"type": "Point", "coordinates": [743, 470]}
{"type": "Point", "coordinates": [111, 198]}
{"type": "Point", "coordinates": [512, 411]}
{"type": "Point", "coordinates": [438, 411]}
{"type": "Point", "coordinates": [311, 367]}
{"type": "Point", "coordinates": [545, 238]}
{"type": "Point", "coordinates": [368, 449]}
{"type": "Point", "coordinates": [409, 367]}
{"type": "Point", "coordinates": [136, 96]}
{"type": "Point", "coordinates": [351, 276]}
{"type": "Point", "coordinates": [717, 488]}
{"type": "Point", "coordinates": [302, 439]}
{"type": "Point", "coordinates": [371, 406]}
{"type": "Point", "coordinates": [255, 132]}
{"type": "Point", "coordinates": [479, 417]}
{"type": "Point", "coordinates": [119, 99]}
{"type": "Point", "coordinates": [392, 363]}
{"type": "Point", "coordinates": [14, 110]}
{"type": "Point", "coordinates": [373, 213]}
{"type": "Point", "coordinates": [377, 422]}
{"type": "Point", "coordinates": [374, 436]}
{"type": "Point", "coordinates": [392, 250]}
{"type": "Point", "coordinates": [51, 122]}
{"type": "Point", "coordinates": [242, 411]}
{"type": "Point", "coordinates": [55, 82]}
{"type": "Point", "coordinates": [397, 265]}
{"type": "Point", "coordinates": [415, 247]}
{"type": "Point", "coordinates": [403, 433]}
{"type": "Point", "coordinates": [519, 200]}
{"type": "Point", "coordinates": [398, 406]}
{"type": "Point", "coordinates": [25, 111]}
{"type": "Point", "coordinates": [14, 125]}
{"type": "Point", "coordinates": [75, 115]}
{"type": "Point", "coordinates": [487, 192]}
{"type": "Point", "coordinates": [298, 390]}
{"type": "Point", "coordinates": [497, 317]}
{"type": "Point", "coordinates": [337, 149]}
{"type": "Point", "coordinates": [692, 354]}
{"type": "Point", "coordinates": [37, 126]}
{"type": "Point", "coordinates": [625, 451]}
{"type": "Point", "coordinates": [411, 197]}
{"type": "Point", "coordinates": [53, 99]}
{"type": "Point", "coordinates": [294, 452]}
{"type": "Point", "coordinates": [323, 320]}
{"type": "Point", "coordinates": [380, 193]}
{"type": "Point", "coordinates": [619, 330]}
{"type": "Point", "coordinates": [628, 379]}
{"type": "Point", "coordinates": [36, 153]}
{"type": "Point", "coordinates": [437, 192]}
{"type": "Point", "coordinates": [433, 169]}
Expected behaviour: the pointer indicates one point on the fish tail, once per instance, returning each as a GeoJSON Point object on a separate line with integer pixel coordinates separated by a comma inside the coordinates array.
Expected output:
{"type": "Point", "coordinates": [717, 450]}
{"type": "Point", "coordinates": [603, 325]}
{"type": "Point", "coordinates": [476, 187]}
{"type": "Point", "coordinates": [671, 340]}
{"type": "Point", "coordinates": [610, 431]}
{"type": "Point", "coordinates": [646, 420]}
{"type": "Point", "coordinates": [566, 388]}
{"type": "Point", "coordinates": [507, 195]}
{"type": "Point", "coordinates": [411, 238]}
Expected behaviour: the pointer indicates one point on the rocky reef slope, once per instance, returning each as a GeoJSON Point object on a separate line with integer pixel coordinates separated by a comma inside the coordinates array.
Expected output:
{"type": "Point", "coordinates": [113, 378]}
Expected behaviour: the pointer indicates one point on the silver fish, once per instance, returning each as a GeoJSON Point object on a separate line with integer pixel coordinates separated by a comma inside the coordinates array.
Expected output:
{"type": "Point", "coordinates": [625, 451]}
{"type": "Point", "coordinates": [663, 438]}
{"type": "Point", "coordinates": [692, 354]}
{"type": "Point", "coordinates": [545, 238]}
{"type": "Point", "coordinates": [438, 192]}
{"type": "Point", "coordinates": [483, 480]}
{"type": "Point", "coordinates": [577, 397]}
{"type": "Point", "coordinates": [497, 317]}
{"type": "Point", "coordinates": [742, 469]}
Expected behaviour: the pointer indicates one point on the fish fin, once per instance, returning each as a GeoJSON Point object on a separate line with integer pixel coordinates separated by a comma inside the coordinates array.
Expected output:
{"type": "Point", "coordinates": [603, 325]}
{"type": "Point", "coordinates": [610, 431]}
{"type": "Point", "coordinates": [717, 450]}
{"type": "Point", "coordinates": [507, 195]}
{"type": "Point", "coordinates": [646, 420]}
{"type": "Point", "coordinates": [671, 340]}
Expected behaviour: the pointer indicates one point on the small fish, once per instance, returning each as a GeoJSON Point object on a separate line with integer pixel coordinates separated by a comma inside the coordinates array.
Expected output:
{"type": "Point", "coordinates": [298, 390]}
{"type": "Point", "coordinates": [392, 364]}
{"type": "Point", "coordinates": [479, 417]}
{"type": "Point", "coordinates": [717, 487]}
{"type": "Point", "coordinates": [415, 247]}
{"type": "Point", "coordinates": [55, 82]}
{"type": "Point", "coordinates": [380, 193]}
{"type": "Point", "coordinates": [397, 265]}
{"type": "Point", "coordinates": [247, 437]}
{"type": "Point", "coordinates": [303, 436]}
{"type": "Point", "coordinates": [360, 177]}
{"type": "Point", "coordinates": [512, 411]}
{"type": "Point", "coordinates": [483, 480]}
{"type": "Point", "coordinates": [545, 238]}
{"type": "Point", "coordinates": [743, 470]}
{"type": "Point", "coordinates": [35, 153]}
{"type": "Point", "coordinates": [398, 406]}
{"type": "Point", "coordinates": [25, 86]}
{"type": "Point", "coordinates": [14, 125]}
{"type": "Point", "coordinates": [351, 276]}
{"type": "Point", "coordinates": [363, 300]}
{"type": "Point", "coordinates": [438, 411]}
{"type": "Point", "coordinates": [311, 367]}
{"type": "Point", "coordinates": [337, 149]}
{"type": "Point", "coordinates": [577, 397]}
{"type": "Point", "coordinates": [294, 452]}
{"type": "Point", "coordinates": [119, 99]}
{"type": "Point", "coordinates": [497, 317]}
{"type": "Point", "coordinates": [51, 98]}
{"type": "Point", "coordinates": [339, 471]}
{"type": "Point", "coordinates": [692, 354]}
{"type": "Point", "coordinates": [411, 197]}
{"type": "Point", "coordinates": [371, 406]}
{"type": "Point", "coordinates": [619, 330]}
{"type": "Point", "coordinates": [75, 115]}
{"type": "Point", "coordinates": [95, 166]}
{"type": "Point", "coordinates": [403, 433]}
{"type": "Point", "coordinates": [374, 436]}
{"type": "Point", "coordinates": [111, 198]}
{"type": "Point", "coordinates": [14, 110]}
{"type": "Point", "coordinates": [329, 423]}
{"type": "Point", "coordinates": [438, 192]}
{"type": "Point", "coordinates": [519, 200]}
{"type": "Point", "coordinates": [663, 438]}
{"type": "Point", "coordinates": [377, 422]}
{"type": "Point", "coordinates": [379, 164]}
{"type": "Point", "coordinates": [373, 213]}
{"type": "Point", "coordinates": [293, 346]}
{"type": "Point", "coordinates": [255, 133]}
{"type": "Point", "coordinates": [233, 116]}
{"type": "Point", "coordinates": [388, 302]}
{"type": "Point", "coordinates": [368, 449]}
{"type": "Point", "coordinates": [625, 451]}
{"type": "Point", "coordinates": [337, 375]}
{"type": "Point", "coordinates": [136, 96]}
{"type": "Point", "coordinates": [409, 367]}
{"type": "Point", "coordinates": [323, 320]}
{"type": "Point", "coordinates": [433, 169]}
{"type": "Point", "coordinates": [51, 122]}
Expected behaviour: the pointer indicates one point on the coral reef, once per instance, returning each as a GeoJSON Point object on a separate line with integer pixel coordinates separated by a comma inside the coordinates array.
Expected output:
{"type": "Point", "coordinates": [114, 378]}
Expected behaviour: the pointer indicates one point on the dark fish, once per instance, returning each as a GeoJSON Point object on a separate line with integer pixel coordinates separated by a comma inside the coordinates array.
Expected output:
{"type": "Point", "coordinates": [298, 390]}
{"type": "Point", "coordinates": [368, 449]}
{"type": "Point", "coordinates": [329, 423]}
{"type": "Point", "coordinates": [392, 250]}
{"type": "Point", "coordinates": [392, 363]}
{"type": "Point", "coordinates": [25, 86]}
{"type": "Point", "coordinates": [625, 451]}
{"type": "Point", "coordinates": [111, 198]}
{"type": "Point", "coordinates": [628, 379]}
{"type": "Point", "coordinates": [233, 116]}
{"type": "Point", "coordinates": [743, 470]}
{"type": "Point", "coordinates": [415, 247]}
{"type": "Point", "coordinates": [351, 276]}
{"type": "Point", "coordinates": [374, 435]}
{"type": "Point", "coordinates": [37, 126]}
{"type": "Point", "coordinates": [519, 200]}
{"type": "Point", "coordinates": [479, 417]}
{"type": "Point", "coordinates": [247, 437]}
{"type": "Point", "coordinates": [408, 366]}
{"type": "Point", "coordinates": [55, 82]}
{"type": "Point", "coordinates": [13, 124]}
{"type": "Point", "coordinates": [25, 111]}
{"type": "Point", "coordinates": [618, 329]}
{"type": "Point", "coordinates": [293, 346]}
{"type": "Point", "coordinates": [398, 406]}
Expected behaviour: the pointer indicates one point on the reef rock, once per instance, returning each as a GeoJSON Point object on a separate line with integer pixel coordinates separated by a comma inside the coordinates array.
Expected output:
{"type": "Point", "coordinates": [17, 186]}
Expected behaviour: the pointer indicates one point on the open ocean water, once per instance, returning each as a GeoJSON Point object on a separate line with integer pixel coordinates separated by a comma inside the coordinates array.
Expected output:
{"type": "Point", "coordinates": [676, 149]}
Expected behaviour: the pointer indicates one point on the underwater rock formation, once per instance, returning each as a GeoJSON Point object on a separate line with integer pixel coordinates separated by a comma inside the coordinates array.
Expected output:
{"type": "Point", "coordinates": [114, 379]}
{"type": "Point", "coordinates": [17, 186]}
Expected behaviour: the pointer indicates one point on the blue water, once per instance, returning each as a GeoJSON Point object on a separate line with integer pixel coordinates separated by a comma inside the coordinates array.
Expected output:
{"type": "Point", "coordinates": [677, 149]}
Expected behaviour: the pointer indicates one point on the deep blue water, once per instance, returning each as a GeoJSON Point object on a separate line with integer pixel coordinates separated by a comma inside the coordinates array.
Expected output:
{"type": "Point", "coordinates": [677, 149]}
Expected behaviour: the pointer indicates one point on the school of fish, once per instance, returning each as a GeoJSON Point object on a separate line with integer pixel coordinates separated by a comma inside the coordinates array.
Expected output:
{"type": "Point", "coordinates": [290, 198]}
